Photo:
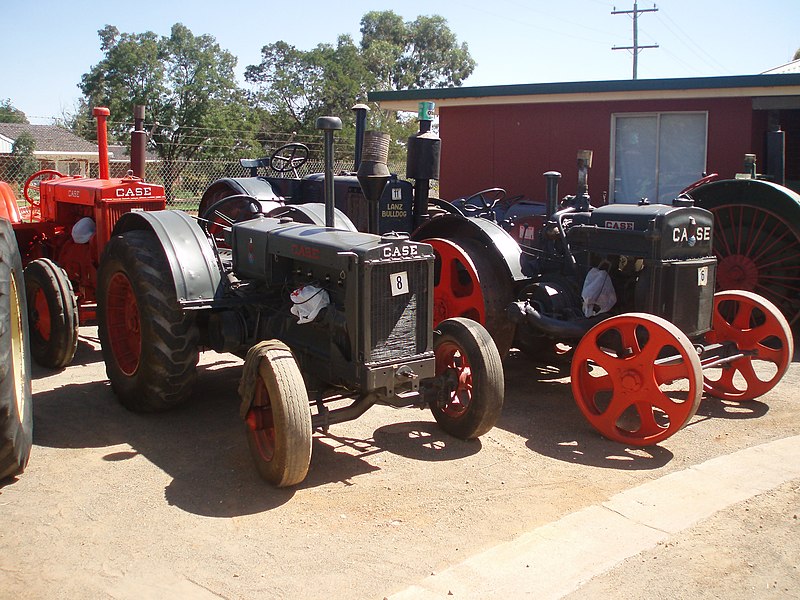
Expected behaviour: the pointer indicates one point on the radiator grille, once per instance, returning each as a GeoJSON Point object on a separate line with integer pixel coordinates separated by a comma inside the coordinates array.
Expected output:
{"type": "Point", "coordinates": [398, 325]}
{"type": "Point", "coordinates": [113, 211]}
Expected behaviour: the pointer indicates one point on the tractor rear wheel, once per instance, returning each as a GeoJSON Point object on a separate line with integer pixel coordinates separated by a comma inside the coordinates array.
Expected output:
{"type": "Point", "coordinates": [467, 362]}
{"type": "Point", "coordinates": [52, 314]}
{"type": "Point", "coordinates": [760, 332]}
{"type": "Point", "coordinates": [150, 344]}
{"type": "Point", "coordinates": [278, 422]}
{"type": "Point", "coordinates": [468, 283]}
{"type": "Point", "coordinates": [16, 406]}
{"type": "Point", "coordinates": [636, 378]}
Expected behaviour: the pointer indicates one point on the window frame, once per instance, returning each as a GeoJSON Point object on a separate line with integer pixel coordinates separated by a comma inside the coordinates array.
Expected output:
{"type": "Point", "coordinates": [612, 167]}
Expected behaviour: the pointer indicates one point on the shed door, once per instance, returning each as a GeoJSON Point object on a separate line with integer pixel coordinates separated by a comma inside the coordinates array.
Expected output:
{"type": "Point", "coordinates": [656, 155]}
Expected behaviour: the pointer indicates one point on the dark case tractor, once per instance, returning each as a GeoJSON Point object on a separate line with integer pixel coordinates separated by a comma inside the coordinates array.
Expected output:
{"type": "Point", "coordinates": [329, 320]}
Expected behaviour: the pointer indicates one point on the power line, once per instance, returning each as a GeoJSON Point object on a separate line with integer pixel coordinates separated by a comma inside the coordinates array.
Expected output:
{"type": "Point", "coordinates": [636, 46]}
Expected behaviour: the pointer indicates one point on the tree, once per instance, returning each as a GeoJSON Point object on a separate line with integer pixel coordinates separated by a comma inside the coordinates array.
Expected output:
{"type": "Point", "coordinates": [23, 164]}
{"type": "Point", "coordinates": [796, 54]}
{"type": "Point", "coordinates": [188, 85]}
{"type": "Point", "coordinates": [296, 86]}
{"type": "Point", "coordinates": [417, 54]}
{"type": "Point", "coordinates": [9, 114]}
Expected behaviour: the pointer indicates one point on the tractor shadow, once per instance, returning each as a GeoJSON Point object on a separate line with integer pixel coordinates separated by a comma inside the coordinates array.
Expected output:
{"type": "Point", "coordinates": [203, 448]}
{"type": "Point", "coordinates": [539, 406]}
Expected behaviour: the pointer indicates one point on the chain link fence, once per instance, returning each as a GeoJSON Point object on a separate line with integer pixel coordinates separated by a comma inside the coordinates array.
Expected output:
{"type": "Point", "coordinates": [184, 181]}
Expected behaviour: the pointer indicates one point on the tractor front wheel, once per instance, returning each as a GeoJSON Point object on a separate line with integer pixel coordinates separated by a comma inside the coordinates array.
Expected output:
{"type": "Point", "coordinates": [636, 378]}
{"type": "Point", "coordinates": [760, 333]}
{"type": "Point", "coordinates": [471, 373]}
{"type": "Point", "coordinates": [52, 314]}
{"type": "Point", "coordinates": [278, 421]}
{"type": "Point", "coordinates": [150, 344]}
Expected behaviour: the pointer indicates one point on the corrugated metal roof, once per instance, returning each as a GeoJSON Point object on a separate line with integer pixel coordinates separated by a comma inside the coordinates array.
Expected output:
{"type": "Point", "coordinates": [49, 138]}
{"type": "Point", "coordinates": [790, 67]}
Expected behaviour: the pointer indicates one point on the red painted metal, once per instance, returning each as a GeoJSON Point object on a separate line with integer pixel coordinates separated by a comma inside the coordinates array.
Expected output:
{"type": "Point", "coordinates": [124, 324]}
{"type": "Point", "coordinates": [761, 334]}
{"type": "Point", "coordinates": [457, 291]}
{"type": "Point", "coordinates": [102, 113]}
{"type": "Point", "coordinates": [636, 378]}
{"type": "Point", "coordinates": [261, 423]}
{"type": "Point", "coordinates": [450, 357]}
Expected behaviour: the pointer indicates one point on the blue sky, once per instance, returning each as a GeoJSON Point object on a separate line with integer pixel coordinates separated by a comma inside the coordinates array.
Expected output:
{"type": "Point", "coordinates": [47, 45]}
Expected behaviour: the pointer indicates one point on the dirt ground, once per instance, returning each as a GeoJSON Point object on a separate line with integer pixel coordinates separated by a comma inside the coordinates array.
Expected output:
{"type": "Point", "coordinates": [122, 505]}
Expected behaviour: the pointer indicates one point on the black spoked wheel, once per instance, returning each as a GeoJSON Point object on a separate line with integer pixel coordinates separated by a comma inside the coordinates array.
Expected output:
{"type": "Point", "coordinates": [467, 362]}
{"type": "Point", "coordinates": [16, 407]}
{"type": "Point", "coordinates": [150, 344]}
{"type": "Point", "coordinates": [52, 314]}
{"type": "Point", "coordinates": [278, 421]}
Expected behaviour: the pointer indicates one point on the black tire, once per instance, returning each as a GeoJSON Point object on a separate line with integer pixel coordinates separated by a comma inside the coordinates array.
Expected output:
{"type": "Point", "coordinates": [16, 406]}
{"type": "Point", "coordinates": [460, 343]}
{"type": "Point", "coordinates": [150, 344]}
{"type": "Point", "coordinates": [52, 314]}
{"type": "Point", "coordinates": [278, 423]}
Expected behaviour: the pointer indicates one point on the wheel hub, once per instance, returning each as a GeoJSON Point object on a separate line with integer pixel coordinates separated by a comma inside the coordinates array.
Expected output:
{"type": "Point", "coordinates": [737, 272]}
{"type": "Point", "coordinates": [631, 381]}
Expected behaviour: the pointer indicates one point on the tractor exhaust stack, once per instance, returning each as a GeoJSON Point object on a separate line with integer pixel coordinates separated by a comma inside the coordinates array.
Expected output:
{"type": "Point", "coordinates": [138, 142]}
{"type": "Point", "coordinates": [101, 113]}
{"type": "Point", "coordinates": [329, 125]}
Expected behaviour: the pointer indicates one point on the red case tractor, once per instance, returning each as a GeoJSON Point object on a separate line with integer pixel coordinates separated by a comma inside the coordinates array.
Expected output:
{"type": "Point", "coordinates": [61, 235]}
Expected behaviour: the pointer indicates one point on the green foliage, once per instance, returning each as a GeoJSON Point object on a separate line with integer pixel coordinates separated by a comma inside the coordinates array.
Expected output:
{"type": "Point", "coordinates": [295, 87]}
{"type": "Point", "coordinates": [187, 83]}
{"type": "Point", "coordinates": [416, 54]}
{"type": "Point", "coordinates": [22, 163]}
{"type": "Point", "coordinates": [9, 114]}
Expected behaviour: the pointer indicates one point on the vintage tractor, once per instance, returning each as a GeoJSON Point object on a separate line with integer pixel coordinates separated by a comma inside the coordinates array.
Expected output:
{"type": "Point", "coordinates": [532, 274]}
{"type": "Point", "coordinates": [756, 235]}
{"type": "Point", "coordinates": [329, 320]}
{"type": "Point", "coordinates": [628, 288]}
{"type": "Point", "coordinates": [62, 233]}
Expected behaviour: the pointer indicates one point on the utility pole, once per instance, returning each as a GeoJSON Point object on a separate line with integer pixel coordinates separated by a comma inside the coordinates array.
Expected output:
{"type": "Point", "coordinates": [636, 47]}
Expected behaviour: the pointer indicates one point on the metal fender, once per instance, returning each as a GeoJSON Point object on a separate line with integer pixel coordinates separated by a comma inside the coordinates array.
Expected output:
{"type": "Point", "coordinates": [496, 239]}
{"type": "Point", "coordinates": [9, 210]}
{"type": "Point", "coordinates": [195, 271]}
{"type": "Point", "coordinates": [313, 213]}
{"type": "Point", "coordinates": [731, 191]}
{"type": "Point", "coordinates": [257, 187]}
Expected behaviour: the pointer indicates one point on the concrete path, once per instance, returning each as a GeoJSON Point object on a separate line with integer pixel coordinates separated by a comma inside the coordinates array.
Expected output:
{"type": "Point", "coordinates": [558, 558]}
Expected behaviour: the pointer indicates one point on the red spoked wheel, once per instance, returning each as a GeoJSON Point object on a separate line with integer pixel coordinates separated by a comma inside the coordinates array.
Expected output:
{"type": "Point", "coordinates": [52, 314]}
{"type": "Point", "coordinates": [759, 251]}
{"type": "Point", "coordinates": [468, 283]}
{"type": "Point", "coordinates": [759, 331]}
{"type": "Point", "coordinates": [636, 378]}
{"type": "Point", "coordinates": [124, 326]}
{"type": "Point", "coordinates": [31, 188]}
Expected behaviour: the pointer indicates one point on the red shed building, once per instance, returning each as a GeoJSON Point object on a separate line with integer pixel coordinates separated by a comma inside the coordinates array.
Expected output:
{"type": "Point", "coordinates": [650, 138]}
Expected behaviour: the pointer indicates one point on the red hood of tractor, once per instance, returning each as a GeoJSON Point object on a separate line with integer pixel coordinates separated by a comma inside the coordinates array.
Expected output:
{"type": "Point", "coordinates": [82, 190]}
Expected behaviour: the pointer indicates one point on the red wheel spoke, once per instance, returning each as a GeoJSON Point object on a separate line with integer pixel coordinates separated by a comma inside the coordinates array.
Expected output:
{"type": "Point", "coordinates": [628, 404]}
{"type": "Point", "coordinates": [771, 340]}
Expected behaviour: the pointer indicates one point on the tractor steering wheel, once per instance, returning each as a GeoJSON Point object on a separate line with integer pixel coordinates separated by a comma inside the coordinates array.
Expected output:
{"type": "Point", "coordinates": [489, 198]}
{"type": "Point", "coordinates": [31, 188]}
{"type": "Point", "coordinates": [225, 212]}
{"type": "Point", "coordinates": [289, 157]}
